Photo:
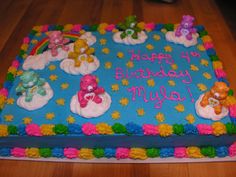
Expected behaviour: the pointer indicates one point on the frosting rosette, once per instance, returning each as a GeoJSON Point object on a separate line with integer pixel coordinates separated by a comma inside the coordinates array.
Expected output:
{"type": "Point", "coordinates": [180, 152]}
{"type": "Point", "coordinates": [18, 152]}
{"type": "Point", "coordinates": [86, 153]}
{"type": "Point", "coordinates": [142, 37]}
{"type": "Point", "coordinates": [71, 153]}
{"type": "Point", "coordinates": [204, 129]}
{"type": "Point", "coordinates": [122, 153]}
{"type": "Point", "coordinates": [89, 129]}
{"type": "Point", "coordinates": [33, 130]}
{"type": "Point", "coordinates": [149, 129]}
{"type": "Point", "coordinates": [138, 153]}
{"type": "Point", "coordinates": [32, 152]}
{"type": "Point", "coordinates": [165, 130]}
{"type": "Point", "coordinates": [194, 152]}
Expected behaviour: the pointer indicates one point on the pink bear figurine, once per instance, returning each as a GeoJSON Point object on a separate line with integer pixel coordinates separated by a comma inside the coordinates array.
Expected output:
{"type": "Point", "coordinates": [56, 40]}
{"type": "Point", "coordinates": [186, 27]}
{"type": "Point", "coordinates": [89, 90]}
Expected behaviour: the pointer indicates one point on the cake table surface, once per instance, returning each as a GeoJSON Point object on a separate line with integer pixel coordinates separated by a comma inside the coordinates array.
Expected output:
{"type": "Point", "coordinates": [18, 17]}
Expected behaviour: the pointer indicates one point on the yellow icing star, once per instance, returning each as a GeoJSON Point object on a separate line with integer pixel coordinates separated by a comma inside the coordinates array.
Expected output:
{"type": "Point", "coordinates": [115, 87]}
{"type": "Point", "coordinates": [64, 86]}
{"type": "Point", "coordinates": [125, 82]}
{"type": "Point", "coordinates": [163, 30]}
{"type": "Point", "coordinates": [149, 46]}
{"type": "Point", "coordinates": [50, 115]}
{"type": "Point", "coordinates": [38, 34]}
{"type": "Point", "coordinates": [34, 41]}
{"type": "Point", "coordinates": [27, 120]}
{"type": "Point", "coordinates": [103, 41]}
{"type": "Point", "coordinates": [60, 101]}
{"type": "Point", "coordinates": [8, 117]}
{"type": "Point", "coordinates": [82, 31]}
{"type": "Point", "coordinates": [52, 67]}
{"type": "Point", "coordinates": [19, 72]}
{"type": "Point", "coordinates": [168, 48]}
{"type": "Point", "coordinates": [70, 119]}
{"type": "Point", "coordinates": [120, 54]}
{"type": "Point", "coordinates": [150, 82]}
{"type": "Point", "coordinates": [160, 117]}
{"type": "Point", "coordinates": [194, 68]}
{"type": "Point", "coordinates": [174, 66]}
{"type": "Point", "coordinates": [102, 31]}
{"type": "Point", "coordinates": [24, 56]}
{"type": "Point", "coordinates": [105, 51]}
{"type": "Point", "coordinates": [179, 107]}
{"type": "Point", "coordinates": [124, 101]}
{"type": "Point", "coordinates": [108, 65]}
{"type": "Point", "coordinates": [130, 64]}
{"type": "Point", "coordinates": [10, 101]}
{"type": "Point", "coordinates": [171, 82]}
{"type": "Point", "coordinates": [190, 118]}
{"type": "Point", "coordinates": [202, 87]}
{"type": "Point", "coordinates": [53, 77]}
{"type": "Point", "coordinates": [204, 62]}
{"type": "Point", "coordinates": [140, 112]}
{"type": "Point", "coordinates": [206, 75]}
{"type": "Point", "coordinates": [115, 115]}
{"type": "Point", "coordinates": [200, 47]}
{"type": "Point", "coordinates": [156, 37]}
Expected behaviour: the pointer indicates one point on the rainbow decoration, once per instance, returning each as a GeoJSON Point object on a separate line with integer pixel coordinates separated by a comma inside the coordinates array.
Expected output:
{"type": "Point", "coordinates": [42, 45]}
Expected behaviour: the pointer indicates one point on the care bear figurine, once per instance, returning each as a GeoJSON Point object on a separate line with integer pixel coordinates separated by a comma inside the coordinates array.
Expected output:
{"type": "Point", "coordinates": [129, 28]}
{"type": "Point", "coordinates": [215, 97]}
{"type": "Point", "coordinates": [82, 52]}
{"type": "Point", "coordinates": [56, 40]}
{"type": "Point", "coordinates": [30, 85]}
{"type": "Point", "coordinates": [186, 27]}
{"type": "Point", "coordinates": [89, 90]}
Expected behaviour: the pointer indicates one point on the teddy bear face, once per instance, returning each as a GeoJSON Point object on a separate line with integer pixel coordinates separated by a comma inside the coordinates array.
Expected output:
{"type": "Point", "coordinates": [219, 91]}
{"type": "Point", "coordinates": [29, 79]}
{"type": "Point", "coordinates": [80, 46]}
{"type": "Point", "coordinates": [187, 21]}
{"type": "Point", "coordinates": [56, 37]}
{"type": "Point", "coordinates": [88, 83]}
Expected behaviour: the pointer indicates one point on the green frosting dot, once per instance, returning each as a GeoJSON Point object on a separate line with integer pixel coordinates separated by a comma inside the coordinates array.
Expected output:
{"type": "Point", "coordinates": [33, 32]}
{"type": "Point", "coordinates": [93, 27]}
{"type": "Point", "coordinates": [119, 128]}
{"type": "Point", "coordinates": [22, 52]}
{"type": "Point", "coordinates": [12, 129]}
{"type": "Point", "coordinates": [59, 27]}
{"type": "Point", "coordinates": [231, 128]}
{"type": "Point", "coordinates": [169, 27]}
{"type": "Point", "coordinates": [231, 92]}
{"type": "Point", "coordinates": [45, 152]}
{"type": "Point", "coordinates": [153, 152]}
{"type": "Point", "coordinates": [178, 129]}
{"type": "Point", "coordinates": [208, 151]}
{"type": "Point", "coordinates": [214, 58]}
{"type": "Point", "coordinates": [203, 33]}
{"type": "Point", "coordinates": [98, 152]}
{"type": "Point", "coordinates": [60, 129]}
{"type": "Point", "coordinates": [10, 77]}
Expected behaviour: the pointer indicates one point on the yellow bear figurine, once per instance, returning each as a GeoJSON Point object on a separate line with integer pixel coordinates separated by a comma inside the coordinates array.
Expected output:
{"type": "Point", "coordinates": [81, 48]}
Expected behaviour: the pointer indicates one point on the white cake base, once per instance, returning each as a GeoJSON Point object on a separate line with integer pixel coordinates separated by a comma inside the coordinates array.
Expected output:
{"type": "Point", "coordinates": [37, 101]}
{"type": "Point", "coordinates": [208, 111]}
{"type": "Point", "coordinates": [92, 109]}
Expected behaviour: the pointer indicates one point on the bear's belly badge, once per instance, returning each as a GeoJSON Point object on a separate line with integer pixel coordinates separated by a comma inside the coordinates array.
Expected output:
{"type": "Point", "coordinates": [213, 102]}
{"type": "Point", "coordinates": [89, 96]}
{"type": "Point", "coordinates": [33, 90]}
{"type": "Point", "coordinates": [184, 32]}
{"type": "Point", "coordinates": [129, 32]}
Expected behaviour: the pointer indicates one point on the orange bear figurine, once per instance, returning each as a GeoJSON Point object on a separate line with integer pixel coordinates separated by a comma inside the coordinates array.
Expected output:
{"type": "Point", "coordinates": [216, 97]}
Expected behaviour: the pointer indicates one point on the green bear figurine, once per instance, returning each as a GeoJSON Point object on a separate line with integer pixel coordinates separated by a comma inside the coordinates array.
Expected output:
{"type": "Point", "coordinates": [30, 85]}
{"type": "Point", "coordinates": [129, 27]}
